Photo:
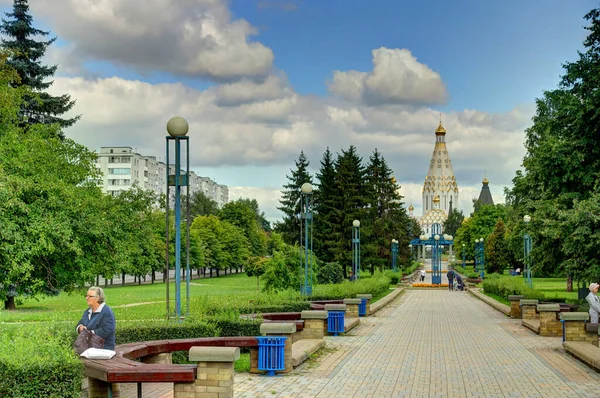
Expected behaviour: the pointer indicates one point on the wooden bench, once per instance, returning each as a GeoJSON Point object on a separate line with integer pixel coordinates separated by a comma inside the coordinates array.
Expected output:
{"type": "Point", "coordinates": [124, 367]}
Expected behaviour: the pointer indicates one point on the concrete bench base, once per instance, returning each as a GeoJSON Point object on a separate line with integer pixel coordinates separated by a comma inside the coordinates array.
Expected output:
{"type": "Point", "coordinates": [584, 351]}
{"type": "Point", "coordinates": [533, 324]}
{"type": "Point", "coordinates": [302, 349]}
{"type": "Point", "coordinates": [349, 323]}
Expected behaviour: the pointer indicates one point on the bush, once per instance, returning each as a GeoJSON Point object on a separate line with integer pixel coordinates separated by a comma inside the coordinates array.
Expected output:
{"type": "Point", "coordinates": [330, 273]}
{"type": "Point", "coordinates": [393, 276]}
{"type": "Point", "coordinates": [504, 286]}
{"type": "Point", "coordinates": [412, 268]}
{"type": "Point", "coordinates": [38, 361]}
{"type": "Point", "coordinates": [375, 285]}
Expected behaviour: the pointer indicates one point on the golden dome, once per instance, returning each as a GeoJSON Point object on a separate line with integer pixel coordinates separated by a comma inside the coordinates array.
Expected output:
{"type": "Point", "coordinates": [436, 199]}
{"type": "Point", "coordinates": [393, 180]}
{"type": "Point", "coordinates": [485, 181]}
{"type": "Point", "coordinates": [440, 129]}
{"type": "Point", "coordinates": [411, 207]}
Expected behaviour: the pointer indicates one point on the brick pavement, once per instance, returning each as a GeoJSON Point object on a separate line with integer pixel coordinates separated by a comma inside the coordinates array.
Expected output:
{"type": "Point", "coordinates": [430, 343]}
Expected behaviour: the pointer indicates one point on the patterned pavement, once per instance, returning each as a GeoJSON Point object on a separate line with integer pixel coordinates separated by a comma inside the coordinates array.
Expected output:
{"type": "Point", "coordinates": [428, 343]}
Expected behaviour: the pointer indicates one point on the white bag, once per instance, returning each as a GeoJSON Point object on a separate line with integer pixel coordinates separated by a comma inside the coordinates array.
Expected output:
{"type": "Point", "coordinates": [98, 353]}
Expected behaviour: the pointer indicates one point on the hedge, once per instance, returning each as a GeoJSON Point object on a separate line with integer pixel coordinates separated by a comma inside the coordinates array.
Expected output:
{"type": "Point", "coordinates": [504, 286]}
{"type": "Point", "coordinates": [38, 361]}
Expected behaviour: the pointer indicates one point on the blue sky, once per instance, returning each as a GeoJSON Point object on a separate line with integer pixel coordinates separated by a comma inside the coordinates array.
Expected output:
{"type": "Point", "coordinates": [490, 60]}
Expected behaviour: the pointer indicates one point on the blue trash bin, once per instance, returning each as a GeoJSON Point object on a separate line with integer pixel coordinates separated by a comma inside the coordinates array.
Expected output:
{"type": "Point", "coordinates": [362, 307]}
{"type": "Point", "coordinates": [335, 322]}
{"type": "Point", "coordinates": [271, 353]}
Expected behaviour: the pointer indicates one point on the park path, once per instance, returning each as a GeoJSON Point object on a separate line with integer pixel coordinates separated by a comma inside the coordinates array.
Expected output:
{"type": "Point", "coordinates": [430, 343]}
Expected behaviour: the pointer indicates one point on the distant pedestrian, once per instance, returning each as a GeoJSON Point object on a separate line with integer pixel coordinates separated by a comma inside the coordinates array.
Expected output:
{"type": "Point", "coordinates": [518, 271]}
{"type": "Point", "coordinates": [423, 273]}
{"type": "Point", "coordinates": [450, 275]}
{"type": "Point", "coordinates": [594, 302]}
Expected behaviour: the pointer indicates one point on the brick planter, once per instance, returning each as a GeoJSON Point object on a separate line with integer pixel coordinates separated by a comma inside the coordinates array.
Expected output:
{"type": "Point", "coordinates": [215, 373]}
{"type": "Point", "coordinates": [515, 305]}
{"type": "Point", "coordinates": [549, 324]}
{"type": "Point", "coordinates": [574, 327]}
{"type": "Point", "coordinates": [529, 309]}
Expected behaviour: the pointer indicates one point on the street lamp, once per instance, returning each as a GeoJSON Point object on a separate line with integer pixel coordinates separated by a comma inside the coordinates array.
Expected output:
{"type": "Point", "coordinates": [527, 252]}
{"type": "Point", "coordinates": [436, 260]}
{"type": "Point", "coordinates": [463, 254]}
{"type": "Point", "coordinates": [395, 253]}
{"type": "Point", "coordinates": [355, 249]}
{"type": "Point", "coordinates": [178, 127]}
{"type": "Point", "coordinates": [479, 257]}
{"type": "Point", "coordinates": [305, 196]}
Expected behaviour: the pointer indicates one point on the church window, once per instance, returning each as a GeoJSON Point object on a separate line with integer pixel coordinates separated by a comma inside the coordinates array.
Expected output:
{"type": "Point", "coordinates": [439, 160]}
{"type": "Point", "coordinates": [439, 166]}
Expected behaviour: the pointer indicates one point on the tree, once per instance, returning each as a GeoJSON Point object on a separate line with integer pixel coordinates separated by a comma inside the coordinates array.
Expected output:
{"type": "Point", "coordinates": [260, 215]}
{"type": "Point", "coordinates": [497, 254]}
{"type": "Point", "coordinates": [242, 215]}
{"type": "Point", "coordinates": [324, 209]}
{"type": "Point", "coordinates": [289, 227]}
{"type": "Point", "coordinates": [200, 205]}
{"type": "Point", "coordinates": [480, 225]}
{"type": "Point", "coordinates": [453, 222]}
{"type": "Point", "coordinates": [25, 57]}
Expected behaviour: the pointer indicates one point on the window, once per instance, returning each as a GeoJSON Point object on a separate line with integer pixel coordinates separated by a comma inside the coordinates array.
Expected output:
{"type": "Point", "coordinates": [119, 171]}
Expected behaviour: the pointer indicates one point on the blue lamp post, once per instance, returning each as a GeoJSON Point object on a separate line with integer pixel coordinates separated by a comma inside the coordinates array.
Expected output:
{"type": "Point", "coordinates": [436, 259]}
{"type": "Point", "coordinates": [395, 253]}
{"type": "Point", "coordinates": [463, 254]}
{"type": "Point", "coordinates": [178, 127]}
{"type": "Point", "coordinates": [527, 252]}
{"type": "Point", "coordinates": [355, 249]}
{"type": "Point", "coordinates": [479, 257]}
{"type": "Point", "coordinates": [306, 204]}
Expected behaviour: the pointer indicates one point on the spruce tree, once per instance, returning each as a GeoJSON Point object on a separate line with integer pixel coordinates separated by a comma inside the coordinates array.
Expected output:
{"type": "Point", "coordinates": [325, 193]}
{"type": "Point", "coordinates": [25, 57]}
{"type": "Point", "coordinates": [348, 203]}
{"type": "Point", "coordinates": [289, 227]}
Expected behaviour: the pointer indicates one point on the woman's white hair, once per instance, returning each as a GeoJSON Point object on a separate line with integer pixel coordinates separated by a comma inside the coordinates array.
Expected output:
{"type": "Point", "coordinates": [99, 293]}
{"type": "Point", "coordinates": [593, 286]}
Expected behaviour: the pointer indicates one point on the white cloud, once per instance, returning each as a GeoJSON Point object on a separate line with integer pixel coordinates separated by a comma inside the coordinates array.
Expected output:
{"type": "Point", "coordinates": [267, 198]}
{"type": "Point", "coordinates": [397, 78]}
{"type": "Point", "coordinates": [197, 38]}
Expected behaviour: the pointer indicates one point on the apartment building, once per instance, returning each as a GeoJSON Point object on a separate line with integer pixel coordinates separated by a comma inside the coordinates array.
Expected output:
{"type": "Point", "coordinates": [121, 167]}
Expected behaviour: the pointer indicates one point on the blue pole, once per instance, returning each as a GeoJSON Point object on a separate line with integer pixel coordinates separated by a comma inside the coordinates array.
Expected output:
{"type": "Point", "coordinates": [306, 245]}
{"type": "Point", "coordinates": [482, 272]}
{"type": "Point", "coordinates": [177, 229]}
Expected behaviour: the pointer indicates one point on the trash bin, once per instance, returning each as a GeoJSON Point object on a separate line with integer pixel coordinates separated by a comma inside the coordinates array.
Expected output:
{"type": "Point", "coordinates": [271, 352]}
{"type": "Point", "coordinates": [362, 307]}
{"type": "Point", "coordinates": [335, 322]}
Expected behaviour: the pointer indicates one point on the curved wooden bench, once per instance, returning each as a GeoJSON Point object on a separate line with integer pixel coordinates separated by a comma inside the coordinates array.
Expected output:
{"type": "Point", "coordinates": [123, 368]}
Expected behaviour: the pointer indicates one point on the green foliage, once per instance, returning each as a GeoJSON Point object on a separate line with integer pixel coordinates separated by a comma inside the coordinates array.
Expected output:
{"type": "Point", "coordinates": [36, 362]}
{"type": "Point", "coordinates": [325, 208]}
{"type": "Point", "coordinates": [243, 216]}
{"type": "Point", "coordinates": [504, 286]}
{"type": "Point", "coordinates": [26, 54]}
{"type": "Point", "coordinates": [497, 254]}
{"type": "Point", "coordinates": [375, 285]}
{"type": "Point", "coordinates": [330, 273]}
{"type": "Point", "coordinates": [479, 225]}
{"type": "Point", "coordinates": [453, 222]}
{"type": "Point", "coordinates": [289, 227]}
{"type": "Point", "coordinates": [200, 205]}
{"type": "Point", "coordinates": [148, 330]}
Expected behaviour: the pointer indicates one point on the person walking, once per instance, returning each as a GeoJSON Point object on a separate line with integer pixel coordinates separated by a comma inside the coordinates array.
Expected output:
{"type": "Point", "coordinates": [594, 303]}
{"type": "Point", "coordinates": [423, 273]}
{"type": "Point", "coordinates": [450, 275]}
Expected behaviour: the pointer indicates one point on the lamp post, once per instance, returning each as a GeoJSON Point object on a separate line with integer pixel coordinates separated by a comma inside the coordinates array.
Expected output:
{"type": "Point", "coordinates": [527, 252]}
{"type": "Point", "coordinates": [178, 127]}
{"type": "Point", "coordinates": [305, 196]}
{"type": "Point", "coordinates": [479, 257]}
{"type": "Point", "coordinates": [482, 262]}
{"type": "Point", "coordinates": [395, 253]}
{"type": "Point", "coordinates": [463, 254]}
{"type": "Point", "coordinates": [436, 259]}
{"type": "Point", "coordinates": [355, 249]}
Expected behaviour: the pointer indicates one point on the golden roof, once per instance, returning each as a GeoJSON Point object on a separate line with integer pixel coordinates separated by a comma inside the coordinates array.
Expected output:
{"type": "Point", "coordinates": [440, 129]}
{"type": "Point", "coordinates": [436, 199]}
{"type": "Point", "coordinates": [411, 207]}
{"type": "Point", "coordinates": [393, 180]}
{"type": "Point", "coordinates": [485, 181]}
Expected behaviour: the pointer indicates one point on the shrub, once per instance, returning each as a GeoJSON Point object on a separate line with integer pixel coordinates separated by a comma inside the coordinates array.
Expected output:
{"type": "Point", "coordinates": [375, 285]}
{"type": "Point", "coordinates": [504, 286]}
{"type": "Point", "coordinates": [330, 273]}
{"type": "Point", "coordinates": [38, 361]}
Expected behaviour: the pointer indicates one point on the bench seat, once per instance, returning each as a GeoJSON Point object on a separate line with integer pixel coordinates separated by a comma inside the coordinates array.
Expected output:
{"type": "Point", "coordinates": [533, 324]}
{"type": "Point", "coordinates": [303, 349]}
{"type": "Point", "coordinates": [123, 370]}
{"type": "Point", "coordinates": [586, 352]}
{"type": "Point", "coordinates": [591, 327]}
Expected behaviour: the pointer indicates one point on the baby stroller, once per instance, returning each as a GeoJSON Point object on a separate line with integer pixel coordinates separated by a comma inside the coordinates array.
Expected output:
{"type": "Point", "coordinates": [459, 285]}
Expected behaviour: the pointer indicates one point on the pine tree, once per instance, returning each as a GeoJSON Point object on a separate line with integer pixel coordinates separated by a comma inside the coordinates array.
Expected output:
{"type": "Point", "coordinates": [26, 54]}
{"type": "Point", "coordinates": [348, 203]}
{"type": "Point", "coordinates": [453, 222]}
{"type": "Point", "coordinates": [324, 208]}
{"type": "Point", "coordinates": [289, 227]}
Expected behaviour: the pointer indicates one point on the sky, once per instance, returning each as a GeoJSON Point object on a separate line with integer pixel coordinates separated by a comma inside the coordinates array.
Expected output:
{"type": "Point", "coordinates": [261, 80]}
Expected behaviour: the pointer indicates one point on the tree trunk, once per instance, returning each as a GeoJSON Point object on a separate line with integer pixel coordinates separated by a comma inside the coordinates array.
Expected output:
{"type": "Point", "coordinates": [9, 304]}
{"type": "Point", "coordinates": [123, 278]}
{"type": "Point", "coordinates": [218, 271]}
{"type": "Point", "coordinates": [211, 270]}
{"type": "Point", "coordinates": [569, 283]}
{"type": "Point", "coordinates": [97, 280]}
{"type": "Point", "coordinates": [153, 276]}
{"type": "Point", "coordinates": [105, 282]}
{"type": "Point", "coordinates": [139, 280]}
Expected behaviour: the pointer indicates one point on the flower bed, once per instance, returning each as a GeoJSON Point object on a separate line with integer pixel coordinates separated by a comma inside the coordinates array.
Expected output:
{"type": "Point", "coordinates": [430, 271]}
{"type": "Point", "coordinates": [429, 285]}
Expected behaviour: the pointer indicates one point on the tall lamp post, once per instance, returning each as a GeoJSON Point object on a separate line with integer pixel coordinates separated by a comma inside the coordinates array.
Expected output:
{"type": "Point", "coordinates": [436, 259]}
{"type": "Point", "coordinates": [479, 257]}
{"type": "Point", "coordinates": [394, 253]}
{"type": "Point", "coordinates": [178, 127]}
{"type": "Point", "coordinates": [527, 251]}
{"type": "Point", "coordinates": [306, 196]}
{"type": "Point", "coordinates": [463, 254]}
{"type": "Point", "coordinates": [355, 249]}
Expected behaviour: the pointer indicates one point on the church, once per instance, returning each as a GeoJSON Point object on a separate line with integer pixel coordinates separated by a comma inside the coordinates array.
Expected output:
{"type": "Point", "coordinates": [440, 189]}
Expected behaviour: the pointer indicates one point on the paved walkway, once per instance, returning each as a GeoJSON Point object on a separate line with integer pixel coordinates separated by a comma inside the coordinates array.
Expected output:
{"type": "Point", "coordinates": [431, 343]}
